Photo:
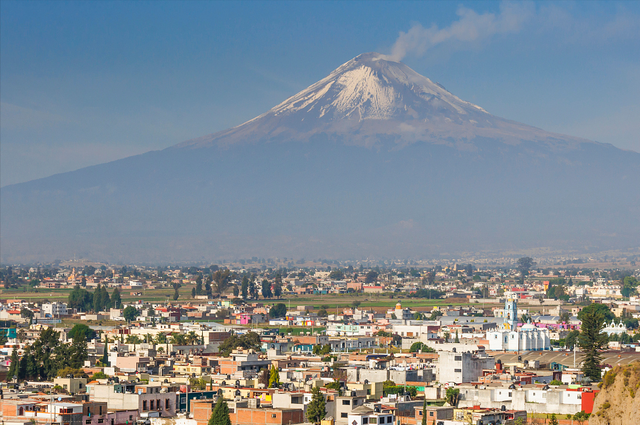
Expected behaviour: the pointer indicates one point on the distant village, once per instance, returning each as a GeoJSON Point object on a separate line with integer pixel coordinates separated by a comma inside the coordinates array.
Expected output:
{"type": "Point", "coordinates": [336, 345]}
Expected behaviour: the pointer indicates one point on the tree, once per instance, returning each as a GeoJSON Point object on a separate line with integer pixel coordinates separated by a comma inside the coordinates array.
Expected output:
{"type": "Point", "coordinates": [101, 299]}
{"type": "Point", "coordinates": [76, 373]}
{"type": "Point", "coordinates": [424, 412]}
{"type": "Point", "coordinates": [116, 299]}
{"type": "Point", "coordinates": [591, 340]}
{"type": "Point", "coordinates": [198, 287]}
{"type": "Point", "coordinates": [105, 354]}
{"type": "Point", "coordinates": [316, 410]}
{"type": "Point", "coordinates": [266, 289]}
{"type": "Point", "coordinates": [244, 289]}
{"type": "Point", "coordinates": [80, 299]}
{"type": "Point", "coordinates": [176, 293]}
{"type": "Point", "coordinates": [553, 420]}
{"type": "Point", "coordinates": [421, 346]}
{"type": "Point", "coordinates": [277, 289]}
{"type": "Point", "coordinates": [222, 280]}
{"type": "Point", "coordinates": [321, 350]}
{"type": "Point", "coordinates": [134, 339]}
{"type": "Point", "coordinates": [250, 340]}
{"type": "Point", "coordinates": [99, 375]}
{"type": "Point", "coordinates": [581, 417]}
{"type": "Point", "coordinates": [82, 330]}
{"type": "Point", "coordinates": [523, 265]}
{"type": "Point", "coordinates": [603, 309]}
{"type": "Point", "coordinates": [274, 378]}
{"type": "Point", "coordinates": [263, 377]}
{"type": "Point", "coordinates": [278, 310]}
{"type": "Point", "coordinates": [336, 274]}
{"type": "Point", "coordinates": [130, 313]}
{"type": "Point", "coordinates": [26, 313]}
{"type": "Point", "coordinates": [571, 339]}
{"type": "Point", "coordinates": [371, 277]}
{"type": "Point", "coordinates": [452, 396]}
{"type": "Point", "coordinates": [220, 413]}
{"type": "Point", "coordinates": [236, 291]}
{"type": "Point", "coordinates": [15, 365]}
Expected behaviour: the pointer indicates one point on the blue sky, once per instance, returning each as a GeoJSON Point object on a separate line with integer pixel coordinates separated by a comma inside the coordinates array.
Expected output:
{"type": "Point", "coordinates": [83, 83]}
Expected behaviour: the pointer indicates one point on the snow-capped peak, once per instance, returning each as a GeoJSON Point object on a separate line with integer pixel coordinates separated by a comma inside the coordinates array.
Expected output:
{"type": "Point", "coordinates": [372, 86]}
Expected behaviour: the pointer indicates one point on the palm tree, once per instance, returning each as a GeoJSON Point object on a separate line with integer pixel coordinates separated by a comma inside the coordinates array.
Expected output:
{"type": "Point", "coordinates": [192, 338]}
{"type": "Point", "coordinates": [178, 339]}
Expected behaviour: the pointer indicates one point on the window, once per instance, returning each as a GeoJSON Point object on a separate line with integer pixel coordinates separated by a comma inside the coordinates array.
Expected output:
{"type": "Point", "coordinates": [369, 392]}
{"type": "Point", "coordinates": [100, 409]}
{"type": "Point", "coordinates": [457, 370]}
{"type": "Point", "coordinates": [151, 404]}
{"type": "Point", "coordinates": [509, 393]}
{"type": "Point", "coordinates": [373, 420]}
{"type": "Point", "coordinates": [343, 415]}
{"type": "Point", "coordinates": [159, 404]}
{"type": "Point", "coordinates": [273, 415]}
{"type": "Point", "coordinates": [365, 421]}
{"type": "Point", "coordinates": [430, 413]}
{"type": "Point", "coordinates": [100, 420]}
{"type": "Point", "coordinates": [346, 402]}
{"type": "Point", "coordinates": [88, 421]}
{"type": "Point", "coordinates": [389, 419]}
{"type": "Point", "coordinates": [457, 358]}
{"type": "Point", "coordinates": [144, 404]}
{"type": "Point", "coordinates": [166, 404]}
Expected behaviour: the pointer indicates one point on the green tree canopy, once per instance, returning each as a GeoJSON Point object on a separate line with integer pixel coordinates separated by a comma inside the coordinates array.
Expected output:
{"type": "Point", "coordinates": [82, 330]}
{"type": "Point", "coordinates": [421, 346]}
{"type": "Point", "coordinates": [130, 313]}
{"type": "Point", "coordinates": [316, 410]}
{"type": "Point", "coordinates": [250, 340]}
{"type": "Point", "coordinates": [603, 309]}
{"type": "Point", "coordinates": [591, 340]}
{"type": "Point", "coordinates": [220, 413]}
{"type": "Point", "coordinates": [278, 310]}
{"type": "Point", "coordinates": [274, 377]}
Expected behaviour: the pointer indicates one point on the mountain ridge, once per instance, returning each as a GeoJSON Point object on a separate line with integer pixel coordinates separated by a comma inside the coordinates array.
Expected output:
{"type": "Point", "coordinates": [356, 165]}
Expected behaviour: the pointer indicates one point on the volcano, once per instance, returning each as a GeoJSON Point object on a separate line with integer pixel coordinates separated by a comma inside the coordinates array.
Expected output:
{"type": "Point", "coordinates": [375, 160]}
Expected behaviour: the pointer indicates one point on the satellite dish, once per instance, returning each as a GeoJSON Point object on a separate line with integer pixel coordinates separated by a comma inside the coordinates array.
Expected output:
{"type": "Point", "coordinates": [140, 392]}
{"type": "Point", "coordinates": [59, 398]}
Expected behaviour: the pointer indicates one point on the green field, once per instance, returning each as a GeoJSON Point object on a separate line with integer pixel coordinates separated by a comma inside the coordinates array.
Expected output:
{"type": "Point", "coordinates": [377, 302]}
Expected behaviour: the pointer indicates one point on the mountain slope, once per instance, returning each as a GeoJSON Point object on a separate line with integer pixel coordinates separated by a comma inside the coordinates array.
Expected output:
{"type": "Point", "coordinates": [372, 98]}
{"type": "Point", "coordinates": [374, 160]}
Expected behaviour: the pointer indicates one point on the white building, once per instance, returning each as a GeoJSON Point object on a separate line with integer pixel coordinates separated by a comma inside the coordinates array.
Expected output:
{"type": "Point", "coordinates": [363, 415]}
{"type": "Point", "coordinates": [613, 329]}
{"type": "Point", "coordinates": [460, 367]}
{"type": "Point", "coordinates": [510, 338]}
{"type": "Point", "coordinates": [54, 309]}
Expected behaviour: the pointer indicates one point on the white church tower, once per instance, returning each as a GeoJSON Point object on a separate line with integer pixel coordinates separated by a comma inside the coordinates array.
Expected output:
{"type": "Point", "coordinates": [510, 315]}
{"type": "Point", "coordinates": [510, 338]}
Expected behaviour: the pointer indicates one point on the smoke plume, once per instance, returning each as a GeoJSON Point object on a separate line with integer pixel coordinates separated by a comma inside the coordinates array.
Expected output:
{"type": "Point", "coordinates": [470, 27]}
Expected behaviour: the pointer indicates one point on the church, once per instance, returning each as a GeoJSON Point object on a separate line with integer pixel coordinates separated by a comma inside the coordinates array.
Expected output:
{"type": "Point", "coordinates": [510, 338]}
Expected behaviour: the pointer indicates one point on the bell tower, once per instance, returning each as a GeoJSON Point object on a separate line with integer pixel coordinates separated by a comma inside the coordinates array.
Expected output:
{"type": "Point", "coordinates": [511, 314]}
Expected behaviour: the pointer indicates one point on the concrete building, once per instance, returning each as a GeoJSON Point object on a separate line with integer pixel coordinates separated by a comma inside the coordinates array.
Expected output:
{"type": "Point", "coordinates": [54, 309]}
{"type": "Point", "coordinates": [532, 398]}
{"type": "Point", "coordinates": [72, 385]}
{"type": "Point", "coordinates": [242, 362]}
{"type": "Point", "coordinates": [462, 367]}
{"type": "Point", "coordinates": [363, 415]}
{"type": "Point", "coordinates": [131, 396]}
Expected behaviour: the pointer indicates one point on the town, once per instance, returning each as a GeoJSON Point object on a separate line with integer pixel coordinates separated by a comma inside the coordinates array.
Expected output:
{"type": "Point", "coordinates": [260, 342]}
